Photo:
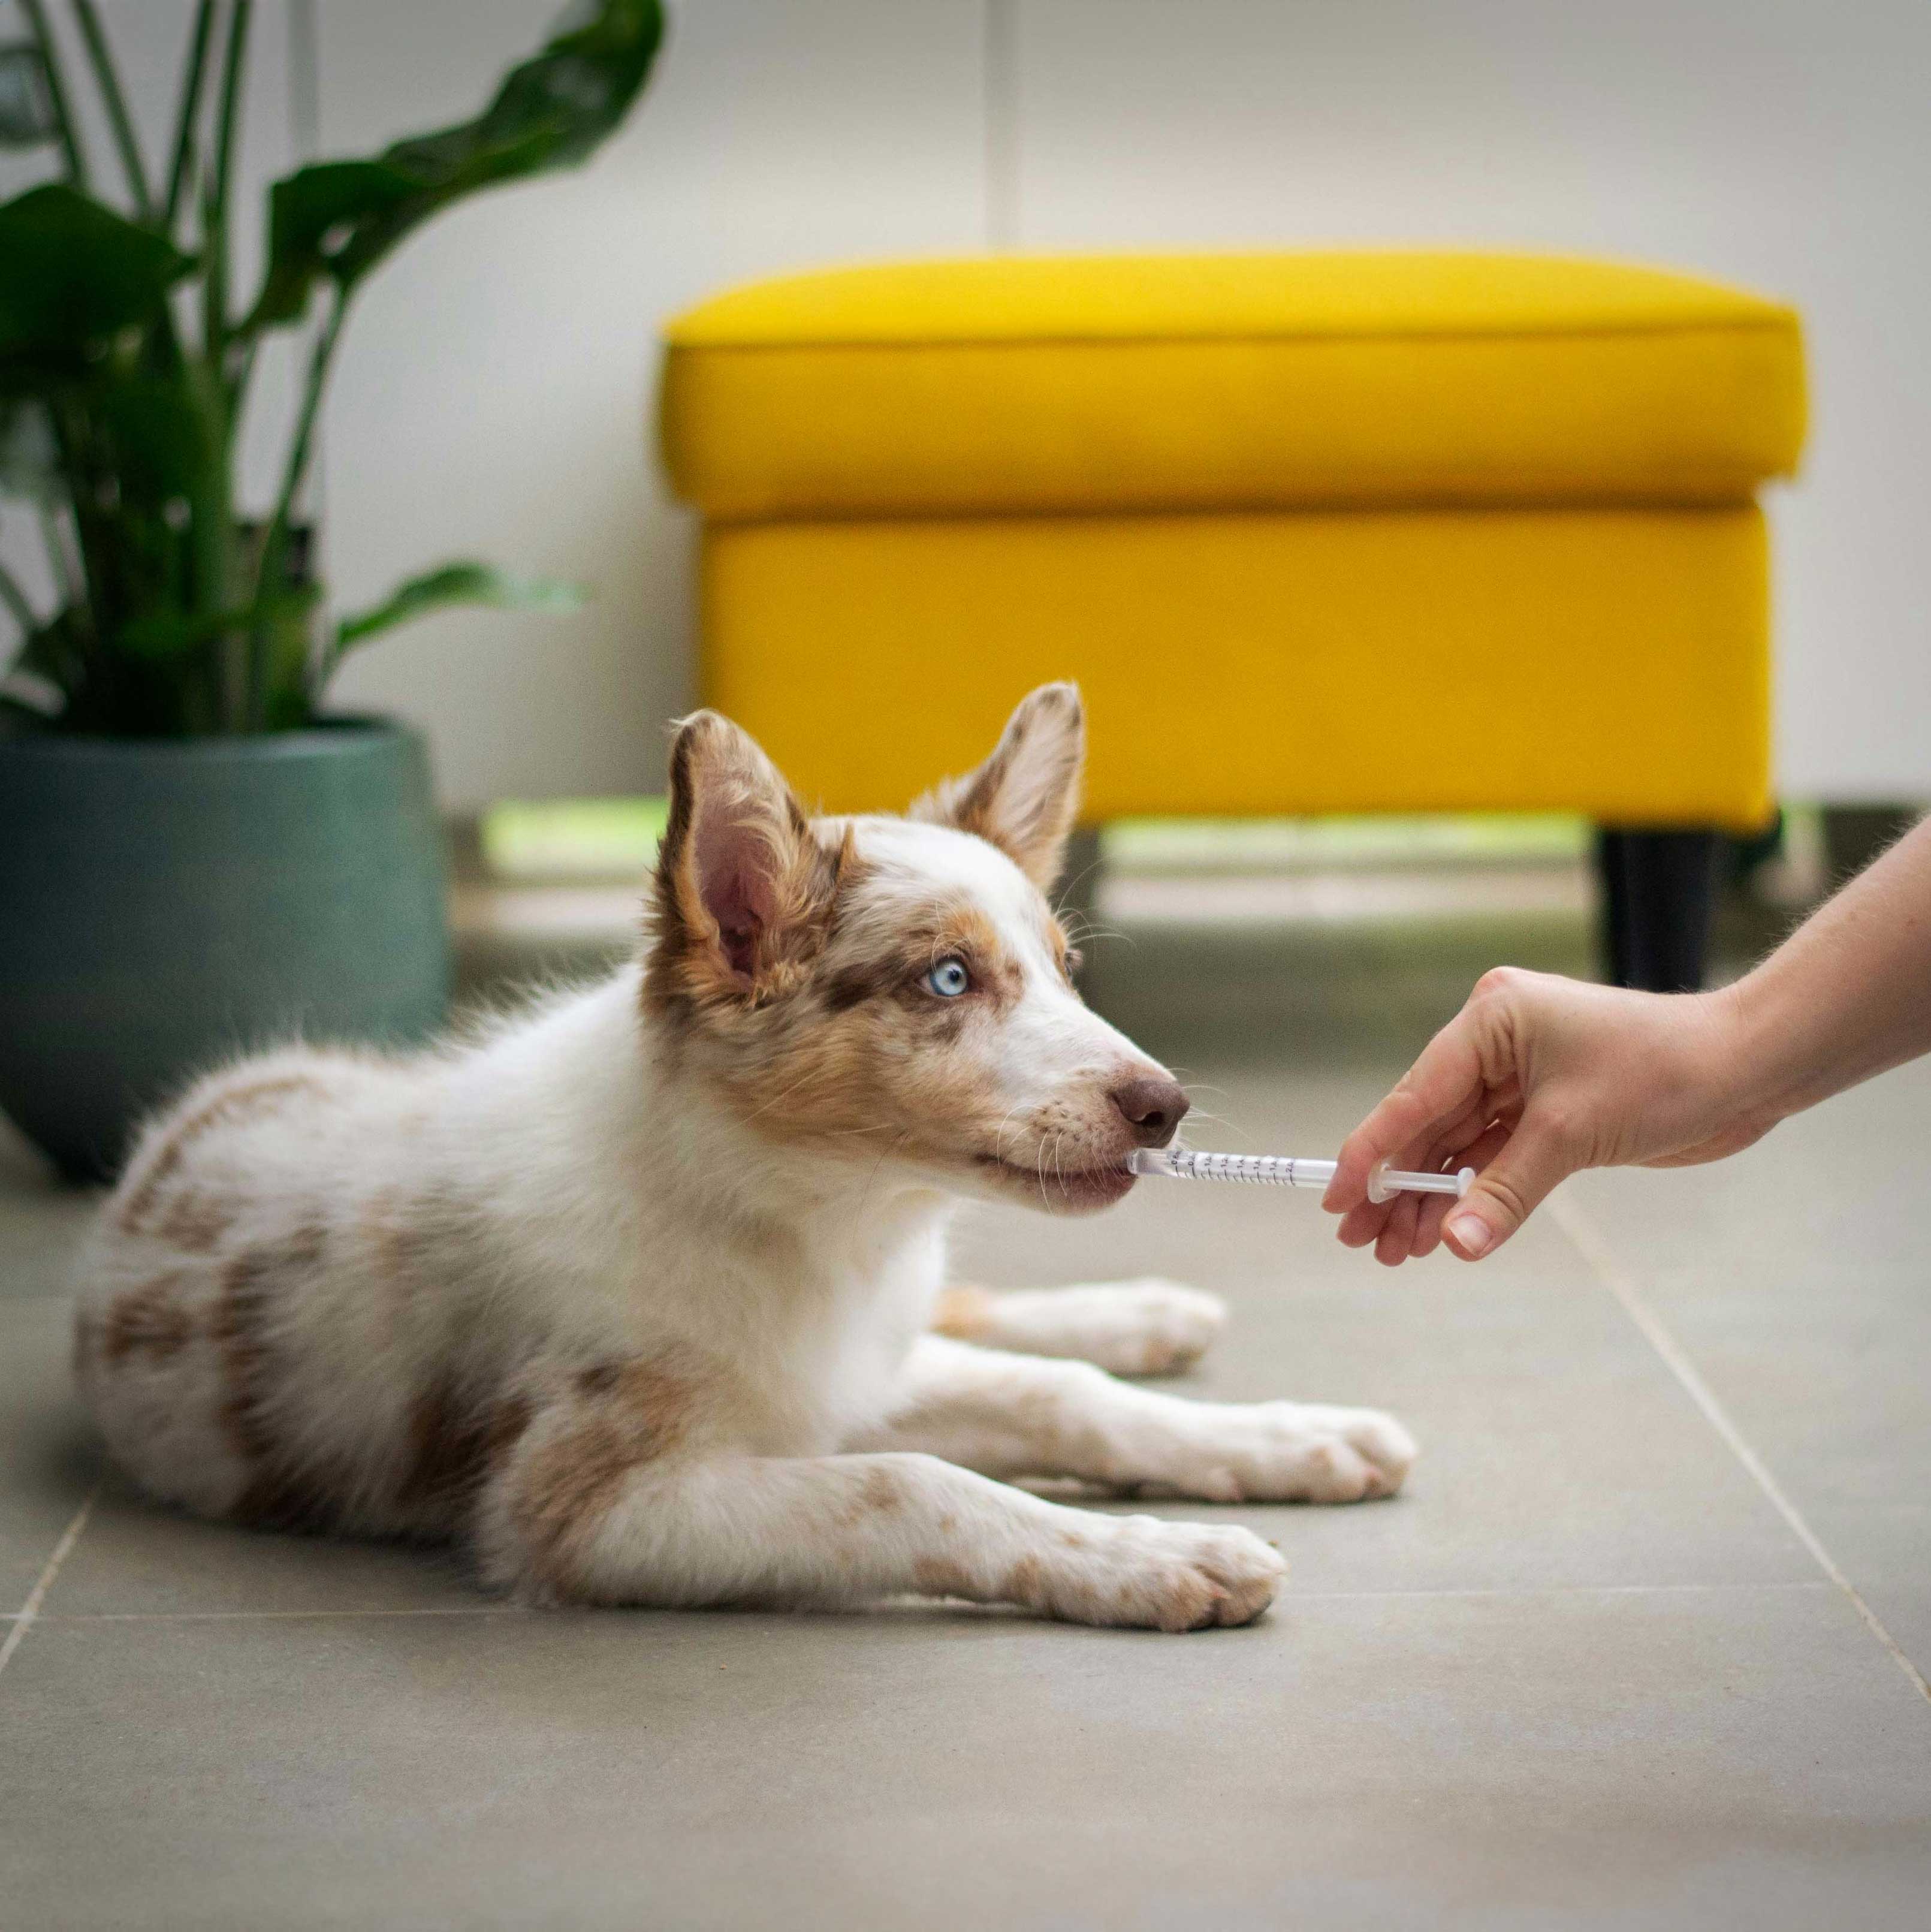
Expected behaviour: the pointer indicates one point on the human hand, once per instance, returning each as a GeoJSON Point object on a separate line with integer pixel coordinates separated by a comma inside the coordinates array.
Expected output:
{"type": "Point", "coordinates": [1537, 1077]}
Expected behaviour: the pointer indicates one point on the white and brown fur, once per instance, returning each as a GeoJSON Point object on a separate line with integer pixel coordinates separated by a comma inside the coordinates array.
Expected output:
{"type": "Point", "coordinates": [635, 1292]}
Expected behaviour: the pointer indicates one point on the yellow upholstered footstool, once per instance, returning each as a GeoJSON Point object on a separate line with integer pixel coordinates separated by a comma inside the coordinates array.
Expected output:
{"type": "Point", "coordinates": [1315, 533]}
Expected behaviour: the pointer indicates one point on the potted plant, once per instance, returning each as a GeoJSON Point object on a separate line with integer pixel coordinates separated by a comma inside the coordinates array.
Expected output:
{"type": "Point", "coordinates": [194, 856]}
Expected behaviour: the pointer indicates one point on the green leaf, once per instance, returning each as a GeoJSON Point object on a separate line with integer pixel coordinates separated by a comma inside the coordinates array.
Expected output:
{"type": "Point", "coordinates": [311, 215]}
{"type": "Point", "coordinates": [160, 437]}
{"type": "Point", "coordinates": [336, 219]}
{"type": "Point", "coordinates": [456, 583]}
{"type": "Point", "coordinates": [73, 273]}
{"type": "Point", "coordinates": [27, 117]}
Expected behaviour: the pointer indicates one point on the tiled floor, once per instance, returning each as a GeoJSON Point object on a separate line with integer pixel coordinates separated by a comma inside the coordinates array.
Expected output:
{"type": "Point", "coordinates": [1638, 1648]}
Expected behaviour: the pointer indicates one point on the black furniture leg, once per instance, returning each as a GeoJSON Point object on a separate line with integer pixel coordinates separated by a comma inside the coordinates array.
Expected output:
{"type": "Point", "coordinates": [1659, 889]}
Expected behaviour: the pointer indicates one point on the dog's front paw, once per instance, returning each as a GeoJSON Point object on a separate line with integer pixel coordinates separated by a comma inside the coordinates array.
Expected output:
{"type": "Point", "coordinates": [1148, 1327]}
{"type": "Point", "coordinates": [1153, 1327]}
{"type": "Point", "coordinates": [1293, 1452]}
{"type": "Point", "coordinates": [1138, 1573]}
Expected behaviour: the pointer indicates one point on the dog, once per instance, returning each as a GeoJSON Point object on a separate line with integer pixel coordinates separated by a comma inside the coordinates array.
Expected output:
{"type": "Point", "coordinates": [638, 1293]}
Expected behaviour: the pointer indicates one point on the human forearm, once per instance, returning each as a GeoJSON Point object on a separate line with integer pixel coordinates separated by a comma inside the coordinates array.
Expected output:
{"type": "Point", "coordinates": [1538, 1076]}
{"type": "Point", "coordinates": [1846, 996]}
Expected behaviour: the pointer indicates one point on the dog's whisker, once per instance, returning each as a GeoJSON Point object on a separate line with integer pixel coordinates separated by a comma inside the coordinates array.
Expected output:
{"type": "Point", "coordinates": [1089, 930]}
{"type": "Point", "coordinates": [1000, 1132]}
{"type": "Point", "coordinates": [778, 1100]}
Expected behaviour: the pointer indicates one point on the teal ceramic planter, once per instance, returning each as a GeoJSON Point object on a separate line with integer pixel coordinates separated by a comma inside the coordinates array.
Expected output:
{"type": "Point", "coordinates": [165, 904]}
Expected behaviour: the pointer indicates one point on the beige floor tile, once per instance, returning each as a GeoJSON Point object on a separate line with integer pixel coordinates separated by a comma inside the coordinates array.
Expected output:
{"type": "Point", "coordinates": [44, 1220]}
{"type": "Point", "coordinates": [1653, 1759]}
{"type": "Point", "coordinates": [49, 1461]}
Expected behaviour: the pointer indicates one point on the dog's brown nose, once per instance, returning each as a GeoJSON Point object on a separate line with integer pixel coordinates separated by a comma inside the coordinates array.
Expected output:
{"type": "Point", "coordinates": [1153, 1107]}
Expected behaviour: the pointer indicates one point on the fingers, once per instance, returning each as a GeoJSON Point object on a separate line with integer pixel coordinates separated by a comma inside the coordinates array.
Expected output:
{"type": "Point", "coordinates": [1443, 1085]}
{"type": "Point", "coordinates": [1436, 1208]}
{"type": "Point", "coordinates": [1478, 1154]}
{"type": "Point", "coordinates": [1362, 1224]}
{"type": "Point", "coordinates": [1364, 1221]}
{"type": "Point", "coordinates": [1536, 1156]}
{"type": "Point", "coordinates": [1409, 1226]}
{"type": "Point", "coordinates": [1412, 1225]}
{"type": "Point", "coordinates": [1469, 1141]}
{"type": "Point", "coordinates": [1524, 1084]}
{"type": "Point", "coordinates": [1428, 1230]}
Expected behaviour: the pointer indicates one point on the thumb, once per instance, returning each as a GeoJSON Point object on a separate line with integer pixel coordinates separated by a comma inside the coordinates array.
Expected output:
{"type": "Point", "coordinates": [1511, 1187]}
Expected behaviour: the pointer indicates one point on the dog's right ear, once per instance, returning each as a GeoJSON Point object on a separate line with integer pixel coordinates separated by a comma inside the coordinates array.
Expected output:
{"type": "Point", "coordinates": [742, 890]}
{"type": "Point", "coordinates": [1025, 797]}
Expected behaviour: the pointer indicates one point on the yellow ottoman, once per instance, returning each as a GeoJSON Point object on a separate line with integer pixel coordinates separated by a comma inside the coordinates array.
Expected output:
{"type": "Point", "coordinates": [1314, 533]}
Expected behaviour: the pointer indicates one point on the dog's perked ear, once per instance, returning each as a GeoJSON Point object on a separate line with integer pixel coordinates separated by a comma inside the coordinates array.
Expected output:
{"type": "Point", "coordinates": [743, 892]}
{"type": "Point", "coordinates": [1025, 797]}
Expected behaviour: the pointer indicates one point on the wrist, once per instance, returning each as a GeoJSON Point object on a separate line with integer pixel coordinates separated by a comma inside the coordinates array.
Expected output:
{"type": "Point", "coordinates": [1759, 1061]}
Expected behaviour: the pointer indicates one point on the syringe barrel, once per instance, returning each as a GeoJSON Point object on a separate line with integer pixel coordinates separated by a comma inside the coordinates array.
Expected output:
{"type": "Point", "coordinates": [1278, 1170]}
{"type": "Point", "coordinates": [1260, 1169]}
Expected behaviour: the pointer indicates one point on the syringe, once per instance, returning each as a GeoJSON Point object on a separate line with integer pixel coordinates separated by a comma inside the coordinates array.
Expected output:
{"type": "Point", "coordinates": [1278, 1170]}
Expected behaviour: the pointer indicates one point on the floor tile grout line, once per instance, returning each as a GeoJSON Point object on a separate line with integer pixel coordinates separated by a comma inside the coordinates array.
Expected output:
{"type": "Point", "coordinates": [1590, 1243]}
{"type": "Point", "coordinates": [28, 1611]}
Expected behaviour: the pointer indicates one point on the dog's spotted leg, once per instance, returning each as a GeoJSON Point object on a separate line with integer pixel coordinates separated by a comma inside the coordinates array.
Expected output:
{"type": "Point", "coordinates": [601, 1501]}
{"type": "Point", "coordinates": [1150, 1327]}
{"type": "Point", "coordinates": [1009, 1415]}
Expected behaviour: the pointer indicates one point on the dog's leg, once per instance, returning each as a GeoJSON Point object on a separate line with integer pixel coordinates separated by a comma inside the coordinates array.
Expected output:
{"type": "Point", "coordinates": [582, 1511]}
{"type": "Point", "coordinates": [1009, 1415]}
{"type": "Point", "coordinates": [1149, 1327]}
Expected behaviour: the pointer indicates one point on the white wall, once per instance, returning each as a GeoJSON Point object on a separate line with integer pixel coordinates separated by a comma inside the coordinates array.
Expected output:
{"type": "Point", "coordinates": [494, 388]}
{"type": "Point", "coordinates": [494, 398]}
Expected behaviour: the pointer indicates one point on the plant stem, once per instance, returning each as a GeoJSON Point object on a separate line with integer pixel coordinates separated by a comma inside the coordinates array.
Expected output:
{"type": "Point", "coordinates": [274, 541]}
{"type": "Point", "coordinates": [101, 58]}
{"type": "Point", "coordinates": [94, 605]}
{"type": "Point", "coordinates": [15, 599]}
{"type": "Point", "coordinates": [213, 511]}
{"type": "Point", "coordinates": [215, 541]}
{"type": "Point", "coordinates": [214, 221]}
{"type": "Point", "coordinates": [65, 582]}
{"type": "Point", "coordinates": [70, 140]}
{"type": "Point", "coordinates": [242, 358]}
{"type": "Point", "coordinates": [193, 75]}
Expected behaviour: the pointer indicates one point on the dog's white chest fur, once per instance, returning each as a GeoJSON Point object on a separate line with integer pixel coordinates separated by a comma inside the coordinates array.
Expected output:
{"type": "Point", "coordinates": [634, 1217]}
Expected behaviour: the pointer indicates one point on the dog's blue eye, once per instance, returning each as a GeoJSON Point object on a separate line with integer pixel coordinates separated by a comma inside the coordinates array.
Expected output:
{"type": "Point", "coordinates": [948, 978]}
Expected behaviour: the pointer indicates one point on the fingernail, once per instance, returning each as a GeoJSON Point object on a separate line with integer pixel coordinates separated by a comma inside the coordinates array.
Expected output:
{"type": "Point", "coordinates": [1471, 1235]}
